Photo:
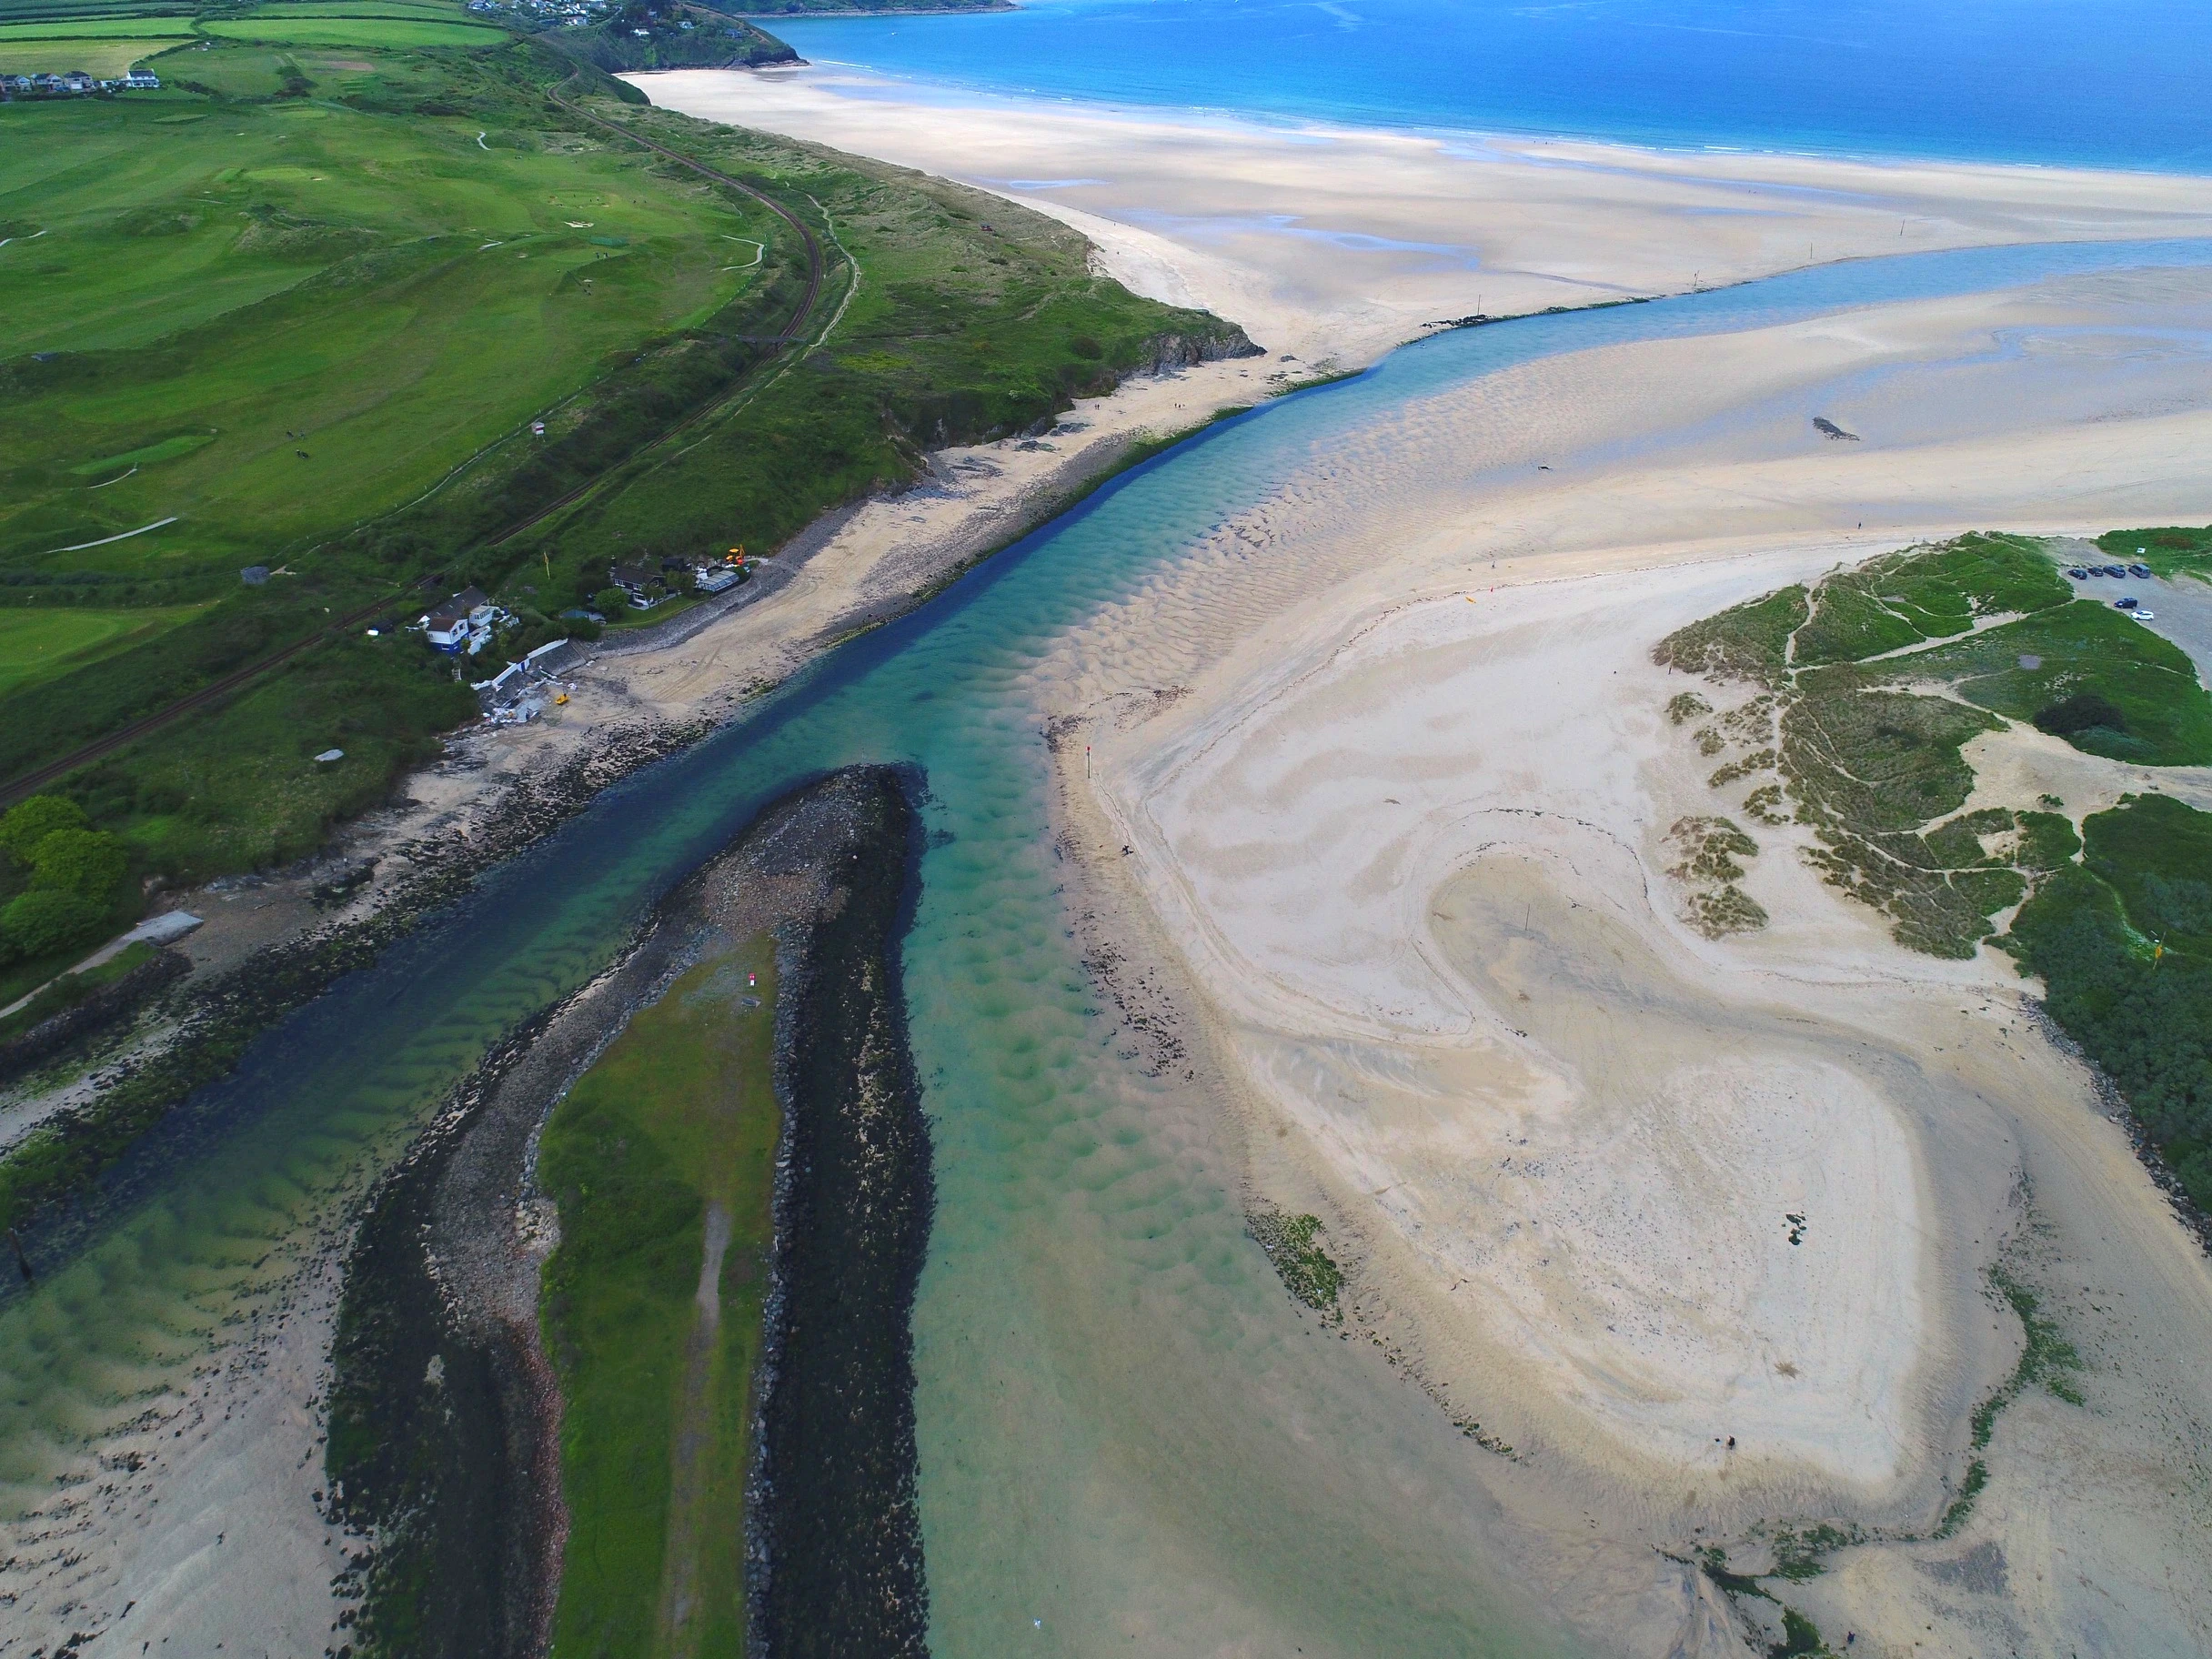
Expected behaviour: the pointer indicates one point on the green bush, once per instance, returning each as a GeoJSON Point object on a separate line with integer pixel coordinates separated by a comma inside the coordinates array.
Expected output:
{"type": "Point", "coordinates": [2079, 713]}
{"type": "Point", "coordinates": [90, 863]}
{"type": "Point", "coordinates": [46, 920]}
{"type": "Point", "coordinates": [31, 822]}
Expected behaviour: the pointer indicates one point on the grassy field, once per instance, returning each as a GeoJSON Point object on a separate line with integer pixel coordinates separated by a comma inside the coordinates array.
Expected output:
{"type": "Point", "coordinates": [677, 1118]}
{"type": "Point", "coordinates": [972, 320]}
{"type": "Point", "coordinates": [37, 645]}
{"type": "Point", "coordinates": [94, 29]}
{"type": "Point", "coordinates": [105, 57]}
{"type": "Point", "coordinates": [301, 310]}
{"type": "Point", "coordinates": [351, 29]}
{"type": "Point", "coordinates": [334, 266]}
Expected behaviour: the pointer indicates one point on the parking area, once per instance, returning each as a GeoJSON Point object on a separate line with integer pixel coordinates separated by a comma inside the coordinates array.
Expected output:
{"type": "Point", "coordinates": [2182, 610]}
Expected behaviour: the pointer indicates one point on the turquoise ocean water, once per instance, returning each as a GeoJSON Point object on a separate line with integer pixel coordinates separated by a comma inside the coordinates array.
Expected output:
{"type": "Point", "coordinates": [2084, 83]}
{"type": "Point", "coordinates": [1126, 1429]}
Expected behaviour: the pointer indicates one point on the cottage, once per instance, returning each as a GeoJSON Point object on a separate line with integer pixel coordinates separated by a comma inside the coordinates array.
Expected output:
{"type": "Point", "coordinates": [143, 80]}
{"type": "Point", "coordinates": [645, 589]}
{"type": "Point", "coordinates": [77, 81]}
{"type": "Point", "coordinates": [464, 622]}
{"type": "Point", "coordinates": [449, 631]}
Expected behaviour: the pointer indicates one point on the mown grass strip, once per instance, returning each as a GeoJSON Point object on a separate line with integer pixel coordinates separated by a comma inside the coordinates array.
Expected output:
{"type": "Point", "coordinates": [662, 1160]}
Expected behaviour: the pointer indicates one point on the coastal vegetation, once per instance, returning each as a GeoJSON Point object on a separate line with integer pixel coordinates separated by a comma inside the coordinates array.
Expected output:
{"type": "Point", "coordinates": [2046, 1361]}
{"type": "Point", "coordinates": [1875, 678]}
{"type": "Point", "coordinates": [1291, 1243]}
{"type": "Point", "coordinates": [63, 886]}
{"type": "Point", "coordinates": [667, 35]}
{"type": "Point", "coordinates": [1869, 684]}
{"type": "Point", "coordinates": [301, 310]}
{"type": "Point", "coordinates": [2123, 943]}
{"type": "Point", "coordinates": [2170, 549]}
{"type": "Point", "coordinates": [662, 1160]}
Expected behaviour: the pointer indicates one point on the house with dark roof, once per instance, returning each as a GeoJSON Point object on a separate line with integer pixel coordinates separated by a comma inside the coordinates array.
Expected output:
{"type": "Point", "coordinates": [464, 622]}
{"type": "Point", "coordinates": [645, 587]}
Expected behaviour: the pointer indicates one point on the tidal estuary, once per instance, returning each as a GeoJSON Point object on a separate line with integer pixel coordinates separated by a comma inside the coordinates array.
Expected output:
{"type": "Point", "coordinates": [1125, 1428]}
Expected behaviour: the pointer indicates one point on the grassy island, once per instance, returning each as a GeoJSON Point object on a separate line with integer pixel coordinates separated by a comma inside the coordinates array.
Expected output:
{"type": "Point", "coordinates": [1855, 698]}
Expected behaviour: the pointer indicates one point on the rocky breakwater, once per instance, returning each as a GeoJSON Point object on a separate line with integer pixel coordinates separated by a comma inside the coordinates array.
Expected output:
{"type": "Point", "coordinates": [445, 1455]}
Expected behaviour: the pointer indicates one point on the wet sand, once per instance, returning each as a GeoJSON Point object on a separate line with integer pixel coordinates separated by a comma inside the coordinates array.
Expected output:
{"type": "Point", "coordinates": [1391, 770]}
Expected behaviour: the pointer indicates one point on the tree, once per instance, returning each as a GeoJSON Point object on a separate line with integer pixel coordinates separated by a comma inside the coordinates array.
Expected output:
{"type": "Point", "coordinates": [90, 863]}
{"type": "Point", "coordinates": [46, 919]}
{"type": "Point", "coordinates": [31, 822]}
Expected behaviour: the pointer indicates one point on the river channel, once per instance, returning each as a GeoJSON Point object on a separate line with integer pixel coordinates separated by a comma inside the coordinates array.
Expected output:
{"type": "Point", "coordinates": [1124, 1425]}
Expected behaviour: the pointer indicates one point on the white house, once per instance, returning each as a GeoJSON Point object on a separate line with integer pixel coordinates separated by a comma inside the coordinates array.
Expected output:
{"type": "Point", "coordinates": [464, 622]}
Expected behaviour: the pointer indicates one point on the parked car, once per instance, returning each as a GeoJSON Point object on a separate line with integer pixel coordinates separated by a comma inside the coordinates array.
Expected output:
{"type": "Point", "coordinates": [2130, 603]}
{"type": "Point", "coordinates": [2077, 573]}
{"type": "Point", "coordinates": [2116, 569]}
{"type": "Point", "coordinates": [2140, 570]}
{"type": "Point", "coordinates": [2140, 615]}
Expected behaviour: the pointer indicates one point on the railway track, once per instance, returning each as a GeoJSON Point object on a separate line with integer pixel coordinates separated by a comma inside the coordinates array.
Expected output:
{"type": "Point", "coordinates": [30, 783]}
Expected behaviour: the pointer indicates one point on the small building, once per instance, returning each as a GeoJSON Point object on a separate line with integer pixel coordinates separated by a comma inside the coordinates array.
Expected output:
{"type": "Point", "coordinates": [143, 80]}
{"type": "Point", "coordinates": [503, 689]}
{"type": "Point", "coordinates": [717, 578]}
{"type": "Point", "coordinates": [77, 81]}
{"type": "Point", "coordinates": [449, 630]}
{"type": "Point", "coordinates": [465, 622]}
{"type": "Point", "coordinates": [644, 587]}
{"type": "Point", "coordinates": [549, 661]}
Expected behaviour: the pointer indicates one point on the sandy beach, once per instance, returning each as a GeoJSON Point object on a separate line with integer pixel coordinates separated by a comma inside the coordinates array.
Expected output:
{"type": "Point", "coordinates": [1335, 244]}
{"type": "Point", "coordinates": [1404, 818]}
{"type": "Point", "coordinates": [1387, 758]}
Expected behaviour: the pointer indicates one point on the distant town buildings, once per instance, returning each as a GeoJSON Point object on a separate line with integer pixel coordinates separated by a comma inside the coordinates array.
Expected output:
{"type": "Point", "coordinates": [75, 83]}
{"type": "Point", "coordinates": [546, 13]}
